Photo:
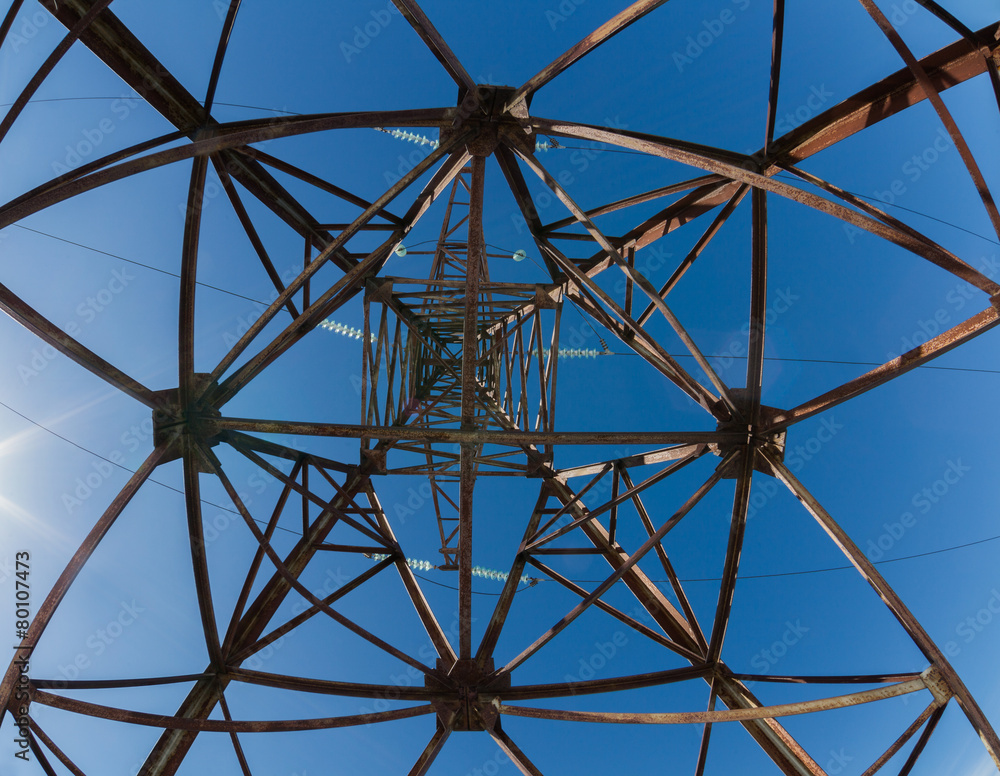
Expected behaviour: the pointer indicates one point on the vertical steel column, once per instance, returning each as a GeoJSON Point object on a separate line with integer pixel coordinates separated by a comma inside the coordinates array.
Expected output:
{"type": "Point", "coordinates": [470, 350]}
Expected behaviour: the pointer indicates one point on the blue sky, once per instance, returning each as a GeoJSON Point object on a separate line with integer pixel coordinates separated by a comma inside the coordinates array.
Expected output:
{"type": "Point", "coordinates": [909, 470]}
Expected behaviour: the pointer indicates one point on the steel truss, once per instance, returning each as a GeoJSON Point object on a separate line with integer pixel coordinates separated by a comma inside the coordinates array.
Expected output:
{"type": "Point", "coordinates": [459, 382]}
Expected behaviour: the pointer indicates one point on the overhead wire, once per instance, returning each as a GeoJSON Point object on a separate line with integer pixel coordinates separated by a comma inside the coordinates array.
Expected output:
{"type": "Point", "coordinates": [552, 143]}
{"type": "Point", "coordinates": [607, 351]}
{"type": "Point", "coordinates": [531, 580]}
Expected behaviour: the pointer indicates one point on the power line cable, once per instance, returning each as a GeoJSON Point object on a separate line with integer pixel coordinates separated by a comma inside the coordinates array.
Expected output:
{"type": "Point", "coordinates": [534, 579]}
{"type": "Point", "coordinates": [125, 468]}
{"type": "Point", "coordinates": [607, 351]}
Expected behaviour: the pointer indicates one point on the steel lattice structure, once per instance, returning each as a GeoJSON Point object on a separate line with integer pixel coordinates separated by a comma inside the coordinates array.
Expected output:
{"type": "Point", "coordinates": [458, 384]}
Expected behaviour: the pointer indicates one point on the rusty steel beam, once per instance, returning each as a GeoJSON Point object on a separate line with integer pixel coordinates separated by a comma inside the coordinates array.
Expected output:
{"type": "Point", "coordinates": [62, 584]}
{"type": "Point", "coordinates": [779, 745]}
{"type": "Point", "coordinates": [740, 168]}
{"type": "Point", "coordinates": [71, 766]}
{"type": "Point", "coordinates": [124, 54]}
{"type": "Point", "coordinates": [222, 137]}
{"type": "Point", "coordinates": [190, 725]}
{"type": "Point", "coordinates": [464, 398]}
{"type": "Point", "coordinates": [777, 39]}
{"type": "Point", "coordinates": [513, 751]}
{"type": "Point", "coordinates": [696, 250]}
{"type": "Point", "coordinates": [624, 568]}
{"type": "Point", "coordinates": [605, 32]}
{"type": "Point", "coordinates": [734, 549]}
{"type": "Point", "coordinates": [895, 605]}
{"type": "Point", "coordinates": [109, 684]}
{"type": "Point", "coordinates": [947, 67]}
{"type": "Point", "coordinates": [189, 283]}
{"type": "Point", "coordinates": [431, 751]}
{"type": "Point", "coordinates": [934, 708]}
{"type": "Point", "coordinates": [514, 438]}
{"type": "Point", "coordinates": [70, 347]}
{"type": "Point", "coordinates": [415, 15]}
{"type": "Point", "coordinates": [199, 558]}
{"type": "Point", "coordinates": [911, 359]}
{"type": "Point", "coordinates": [331, 687]}
{"type": "Point", "coordinates": [172, 747]}
{"type": "Point", "coordinates": [348, 285]}
{"type": "Point", "coordinates": [435, 632]}
{"type": "Point", "coordinates": [8, 20]}
{"type": "Point", "coordinates": [474, 268]}
{"type": "Point", "coordinates": [220, 54]}
{"type": "Point", "coordinates": [638, 279]}
{"type": "Point", "coordinates": [727, 715]}
{"type": "Point", "coordinates": [78, 29]}
{"type": "Point", "coordinates": [931, 93]}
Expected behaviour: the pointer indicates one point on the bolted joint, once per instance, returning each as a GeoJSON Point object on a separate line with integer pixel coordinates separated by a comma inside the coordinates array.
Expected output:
{"type": "Point", "coordinates": [176, 426]}
{"type": "Point", "coordinates": [937, 685]}
{"type": "Point", "coordinates": [373, 460]}
{"type": "Point", "coordinates": [773, 443]}
{"type": "Point", "coordinates": [539, 465]}
{"type": "Point", "coordinates": [485, 113]}
{"type": "Point", "coordinates": [465, 701]}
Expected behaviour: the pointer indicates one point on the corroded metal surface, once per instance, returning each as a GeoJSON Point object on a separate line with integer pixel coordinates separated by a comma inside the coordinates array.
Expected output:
{"type": "Point", "coordinates": [462, 370]}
